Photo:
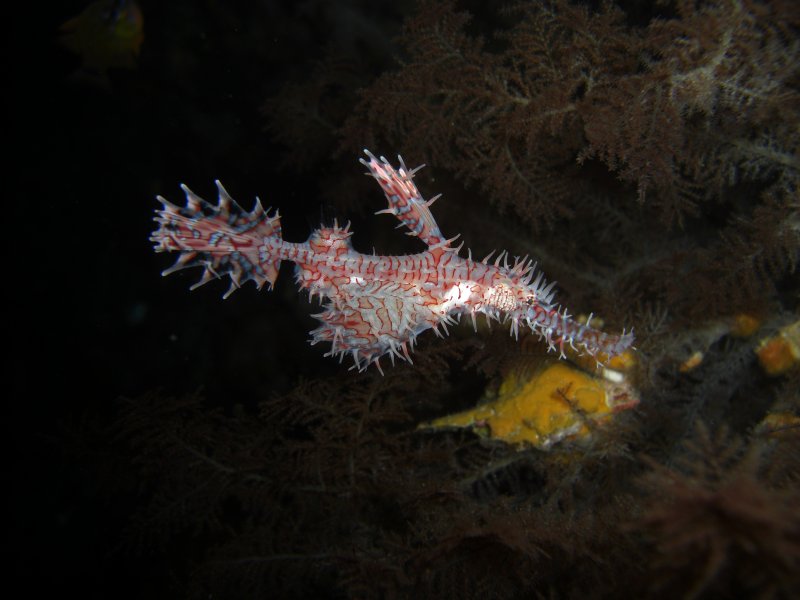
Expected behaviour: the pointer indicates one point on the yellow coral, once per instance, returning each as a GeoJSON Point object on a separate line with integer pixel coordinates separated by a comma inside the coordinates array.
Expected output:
{"type": "Point", "coordinates": [559, 401]}
{"type": "Point", "coordinates": [692, 362]}
{"type": "Point", "coordinates": [745, 325]}
{"type": "Point", "coordinates": [780, 353]}
{"type": "Point", "coordinates": [779, 424]}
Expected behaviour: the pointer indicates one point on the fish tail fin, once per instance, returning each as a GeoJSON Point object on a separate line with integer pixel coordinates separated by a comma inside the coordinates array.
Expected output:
{"type": "Point", "coordinates": [224, 239]}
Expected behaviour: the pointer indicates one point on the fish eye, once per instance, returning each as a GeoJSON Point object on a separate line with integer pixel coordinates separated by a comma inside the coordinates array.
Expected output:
{"type": "Point", "coordinates": [529, 300]}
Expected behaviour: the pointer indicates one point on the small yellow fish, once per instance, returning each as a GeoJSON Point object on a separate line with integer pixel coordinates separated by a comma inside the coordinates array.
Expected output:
{"type": "Point", "coordinates": [107, 34]}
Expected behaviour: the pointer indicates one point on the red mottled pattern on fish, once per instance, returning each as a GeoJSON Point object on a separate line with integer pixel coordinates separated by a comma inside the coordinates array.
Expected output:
{"type": "Point", "coordinates": [374, 305]}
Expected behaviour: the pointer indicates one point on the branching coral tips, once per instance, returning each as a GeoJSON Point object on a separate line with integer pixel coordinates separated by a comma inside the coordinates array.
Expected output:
{"type": "Point", "coordinates": [373, 305]}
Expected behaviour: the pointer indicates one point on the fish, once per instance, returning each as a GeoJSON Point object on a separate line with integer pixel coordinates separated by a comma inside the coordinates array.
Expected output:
{"type": "Point", "coordinates": [106, 35]}
{"type": "Point", "coordinates": [375, 306]}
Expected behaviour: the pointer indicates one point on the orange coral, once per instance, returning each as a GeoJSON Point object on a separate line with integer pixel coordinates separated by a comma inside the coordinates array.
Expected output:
{"type": "Point", "coordinates": [780, 353]}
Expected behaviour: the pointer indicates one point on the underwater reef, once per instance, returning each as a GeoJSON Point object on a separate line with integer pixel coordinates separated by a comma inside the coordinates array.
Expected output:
{"type": "Point", "coordinates": [646, 154]}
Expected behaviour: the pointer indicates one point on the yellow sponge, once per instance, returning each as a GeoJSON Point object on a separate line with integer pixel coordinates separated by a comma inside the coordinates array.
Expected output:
{"type": "Point", "coordinates": [557, 402]}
